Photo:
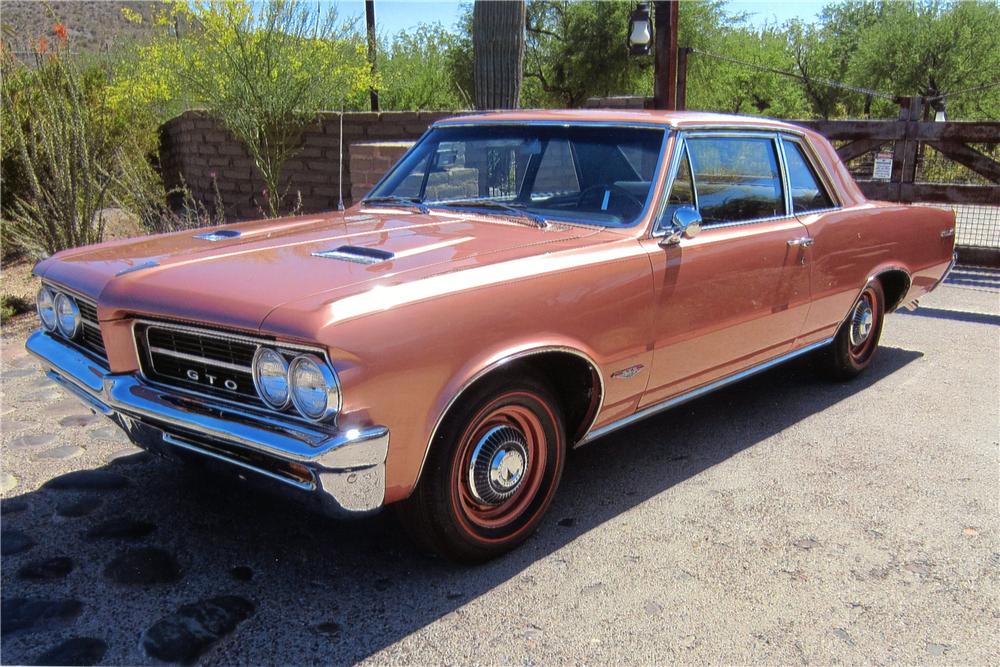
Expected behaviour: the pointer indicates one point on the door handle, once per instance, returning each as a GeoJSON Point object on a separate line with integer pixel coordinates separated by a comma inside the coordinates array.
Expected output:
{"type": "Point", "coordinates": [805, 242]}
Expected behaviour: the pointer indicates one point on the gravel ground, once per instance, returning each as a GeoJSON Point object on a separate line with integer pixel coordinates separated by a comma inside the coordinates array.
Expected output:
{"type": "Point", "coordinates": [783, 520]}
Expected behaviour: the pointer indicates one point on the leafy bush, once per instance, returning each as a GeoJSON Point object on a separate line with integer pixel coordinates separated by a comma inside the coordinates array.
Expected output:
{"type": "Point", "coordinates": [12, 306]}
{"type": "Point", "coordinates": [263, 69]}
{"type": "Point", "coordinates": [415, 72]}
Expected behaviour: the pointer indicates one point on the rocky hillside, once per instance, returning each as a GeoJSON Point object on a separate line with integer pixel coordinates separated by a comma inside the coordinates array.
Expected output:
{"type": "Point", "coordinates": [91, 26]}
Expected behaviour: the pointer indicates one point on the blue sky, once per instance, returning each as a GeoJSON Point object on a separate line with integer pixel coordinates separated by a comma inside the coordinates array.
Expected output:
{"type": "Point", "coordinates": [391, 16]}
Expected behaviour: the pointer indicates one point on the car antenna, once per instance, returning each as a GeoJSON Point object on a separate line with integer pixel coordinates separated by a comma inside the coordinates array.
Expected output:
{"type": "Point", "coordinates": [340, 161]}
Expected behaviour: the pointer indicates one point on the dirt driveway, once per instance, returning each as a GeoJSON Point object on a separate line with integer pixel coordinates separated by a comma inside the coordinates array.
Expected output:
{"type": "Point", "coordinates": [783, 520]}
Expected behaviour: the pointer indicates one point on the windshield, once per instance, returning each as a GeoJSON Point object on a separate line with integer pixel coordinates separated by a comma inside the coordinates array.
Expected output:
{"type": "Point", "coordinates": [594, 175]}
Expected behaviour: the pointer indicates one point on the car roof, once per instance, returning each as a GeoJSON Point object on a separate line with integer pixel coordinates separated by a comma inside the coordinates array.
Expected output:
{"type": "Point", "coordinates": [674, 119]}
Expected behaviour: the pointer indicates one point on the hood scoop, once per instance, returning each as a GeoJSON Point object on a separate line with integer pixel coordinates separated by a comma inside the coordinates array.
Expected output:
{"type": "Point", "coordinates": [219, 235]}
{"type": "Point", "coordinates": [356, 254]}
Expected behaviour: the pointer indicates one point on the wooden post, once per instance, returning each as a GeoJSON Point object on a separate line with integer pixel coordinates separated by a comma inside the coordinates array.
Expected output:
{"type": "Point", "coordinates": [904, 151]}
{"type": "Point", "coordinates": [372, 47]}
{"type": "Point", "coordinates": [665, 54]}
{"type": "Point", "coordinates": [682, 73]}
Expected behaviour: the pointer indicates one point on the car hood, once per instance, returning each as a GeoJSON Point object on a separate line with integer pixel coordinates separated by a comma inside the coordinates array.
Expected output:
{"type": "Point", "coordinates": [237, 281]}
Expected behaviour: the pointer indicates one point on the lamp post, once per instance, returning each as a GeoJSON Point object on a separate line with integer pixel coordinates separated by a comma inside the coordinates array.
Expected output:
{"type": "Point", "coordinates": [662, 30]}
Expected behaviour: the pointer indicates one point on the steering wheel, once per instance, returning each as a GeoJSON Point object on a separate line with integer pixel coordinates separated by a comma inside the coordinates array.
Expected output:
{"type": "Point", "coordinates": [616, 189]}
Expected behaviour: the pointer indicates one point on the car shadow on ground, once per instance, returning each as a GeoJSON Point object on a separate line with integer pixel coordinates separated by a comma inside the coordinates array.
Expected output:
{"type": "Point", "coordinates": [162, 549]}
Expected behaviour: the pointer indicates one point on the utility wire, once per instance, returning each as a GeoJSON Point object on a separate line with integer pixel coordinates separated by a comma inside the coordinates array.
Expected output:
{"type": "Point", "coordinates": [985, 86]}
{"type": "Point", "coordinates": [825, 82]}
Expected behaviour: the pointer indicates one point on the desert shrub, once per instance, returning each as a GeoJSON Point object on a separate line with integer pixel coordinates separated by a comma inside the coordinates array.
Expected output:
{"type": "Point", "coordinates": [12, 306]}
{"type": "Point", "coordinates": [65, 146]}
{"type": "Point", "coordinates": [62, 152]}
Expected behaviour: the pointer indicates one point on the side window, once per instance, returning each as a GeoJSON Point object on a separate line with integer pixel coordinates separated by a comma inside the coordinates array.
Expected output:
{"type": "Point", "coordinates": [808, 193]}
{"type": "Point", "coordinates": [681, 190]}
{"type": "Point", "coordinates": [737, 178]}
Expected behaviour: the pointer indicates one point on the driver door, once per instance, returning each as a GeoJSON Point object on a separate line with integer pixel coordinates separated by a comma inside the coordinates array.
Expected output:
{"type": "Point", "coordinates": [738, 293]}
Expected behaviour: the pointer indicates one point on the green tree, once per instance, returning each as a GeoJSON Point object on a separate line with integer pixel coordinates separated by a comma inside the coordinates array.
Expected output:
{"type": "Point", "coordinates": [415, 71]}
{"type": "Point", "coordinates": [922, 48]}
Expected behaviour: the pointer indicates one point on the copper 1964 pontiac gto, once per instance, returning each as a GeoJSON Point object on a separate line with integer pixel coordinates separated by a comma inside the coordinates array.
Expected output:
{"type": "Point", "coordinates": [518, 284]}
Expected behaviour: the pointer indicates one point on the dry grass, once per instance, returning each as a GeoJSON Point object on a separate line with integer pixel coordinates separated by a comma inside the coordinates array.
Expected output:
{"type": "Point", "coordinates": [17, 283]}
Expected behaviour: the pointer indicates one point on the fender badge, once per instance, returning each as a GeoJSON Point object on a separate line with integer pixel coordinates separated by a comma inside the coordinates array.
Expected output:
{"type": "Point", "coordinates": [627, 373]}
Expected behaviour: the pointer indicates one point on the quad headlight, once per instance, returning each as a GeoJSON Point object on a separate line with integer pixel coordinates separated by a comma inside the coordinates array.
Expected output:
{"type": "Point", "coordinates": [45, 305]}
{"type": "Point", "coordinates": [270, 376]}
{"type": "Point", "coordinates": [314, 387]}
{"type": "Point", "coordinates": [307, 382]}
{"type": "Point", "coordinates": [67, 315]}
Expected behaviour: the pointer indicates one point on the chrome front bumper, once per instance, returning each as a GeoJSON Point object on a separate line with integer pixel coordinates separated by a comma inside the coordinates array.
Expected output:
{"type": "Point", "coordinates": [338, 472]}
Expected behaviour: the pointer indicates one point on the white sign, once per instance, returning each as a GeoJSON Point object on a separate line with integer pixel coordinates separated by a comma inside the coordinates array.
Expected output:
{"type": "Point", "coordinates": [883, 167]}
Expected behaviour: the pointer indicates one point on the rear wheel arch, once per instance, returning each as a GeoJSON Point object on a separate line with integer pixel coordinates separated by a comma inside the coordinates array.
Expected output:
{"type": "Point", "coordinates": [895, 285]}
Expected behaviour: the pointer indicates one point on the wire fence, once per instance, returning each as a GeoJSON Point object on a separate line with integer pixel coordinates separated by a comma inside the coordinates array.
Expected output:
{"type": "Point", "coordinates": [975, 226]}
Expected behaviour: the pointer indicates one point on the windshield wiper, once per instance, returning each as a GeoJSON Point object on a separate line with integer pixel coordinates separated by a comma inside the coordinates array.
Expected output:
{"type": "Point", "coordinates": [394, 200]}
{"type": "Point", "coordinates": [536, 220]}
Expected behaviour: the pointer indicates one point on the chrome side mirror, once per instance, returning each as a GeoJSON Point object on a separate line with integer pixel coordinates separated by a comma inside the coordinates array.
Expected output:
{"type": "Point", "coordinates": [685, 223]}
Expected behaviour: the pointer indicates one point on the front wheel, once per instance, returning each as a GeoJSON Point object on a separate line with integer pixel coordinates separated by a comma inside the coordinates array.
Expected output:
{"type": "Point", "coordinates": [491, 473]}
{"type": "Point", "coordinates": [856, 342]}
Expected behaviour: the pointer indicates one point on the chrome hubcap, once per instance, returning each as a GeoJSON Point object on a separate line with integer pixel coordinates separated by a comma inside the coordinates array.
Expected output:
{"type": "Point", "coordinates": [861, 322]}
{"type": "Point", "coordinates": [498, 465]}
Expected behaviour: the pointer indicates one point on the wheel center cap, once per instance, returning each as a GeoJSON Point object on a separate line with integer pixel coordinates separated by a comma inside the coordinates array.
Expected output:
{"type": "Point", "coordinates": [506, 469]}
{"type": "Point", "coordinates": [862, 325]}
{"type": "Point", "coordinates": [498, 464]}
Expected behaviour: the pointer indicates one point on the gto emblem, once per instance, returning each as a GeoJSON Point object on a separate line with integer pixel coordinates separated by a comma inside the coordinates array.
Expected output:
{"type": "Point", "coordinates": [194, 376]}
{"type": "Point", "coordinates": [627, 373]}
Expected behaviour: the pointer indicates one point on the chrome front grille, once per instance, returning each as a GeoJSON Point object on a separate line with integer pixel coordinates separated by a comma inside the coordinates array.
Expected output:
{"type": "Point", "coordinates": [90, 334]}
{"type": "Point", "coordinates": [198, 360]}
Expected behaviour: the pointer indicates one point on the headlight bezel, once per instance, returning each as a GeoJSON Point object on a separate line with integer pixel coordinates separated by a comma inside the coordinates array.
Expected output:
{"type": "Point", "coordinates": [63, 297]}
{"type": "Point", "coordinates": [258, 384]}
{"type": "Point", "coordinates": [331, 380]}
{"type": "Point", "coordinates": [47, 326]}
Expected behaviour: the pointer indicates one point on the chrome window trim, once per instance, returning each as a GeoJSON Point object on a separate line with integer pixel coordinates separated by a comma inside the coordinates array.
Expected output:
{"type": "Point", "coordinates": [264, 408]}
{"type": "Point", "coordinates": [738, 129]}
{"type": "Point", "coordinates": [819, 170]}
{"type": "Point", "coordinates": [560, 123]}
{"type": "Point", "coordinates": [682, 138]}
{"type": "Point", "coordinates": [786, 181]}
{"type": "Point", "coordinates": [649, 205]}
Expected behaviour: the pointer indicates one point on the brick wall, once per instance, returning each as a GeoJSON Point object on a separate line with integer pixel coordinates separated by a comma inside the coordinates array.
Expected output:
{"type": "Point", "coordinates": [370, 160]}
{"type": "Point", "coordinates": [197, 150]}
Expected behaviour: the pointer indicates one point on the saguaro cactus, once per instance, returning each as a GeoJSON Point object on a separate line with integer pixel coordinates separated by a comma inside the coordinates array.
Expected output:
{"type": "Point", "coordinates": [498, 46]}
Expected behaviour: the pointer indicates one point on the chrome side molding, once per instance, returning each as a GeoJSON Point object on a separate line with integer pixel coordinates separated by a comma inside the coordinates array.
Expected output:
{"type": "Point", "coordinates": [699, 392]}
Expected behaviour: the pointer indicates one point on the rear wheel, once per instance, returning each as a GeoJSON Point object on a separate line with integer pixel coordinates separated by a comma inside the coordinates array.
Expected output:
{"type": "Point", "coordinates": [491, 472]}
{"type": "Point", "coordinates": [856, 342]}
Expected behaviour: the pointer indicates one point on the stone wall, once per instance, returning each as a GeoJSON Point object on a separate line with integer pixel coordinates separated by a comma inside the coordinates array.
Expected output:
{"type": "Point", "coordinates": [197, 151]}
